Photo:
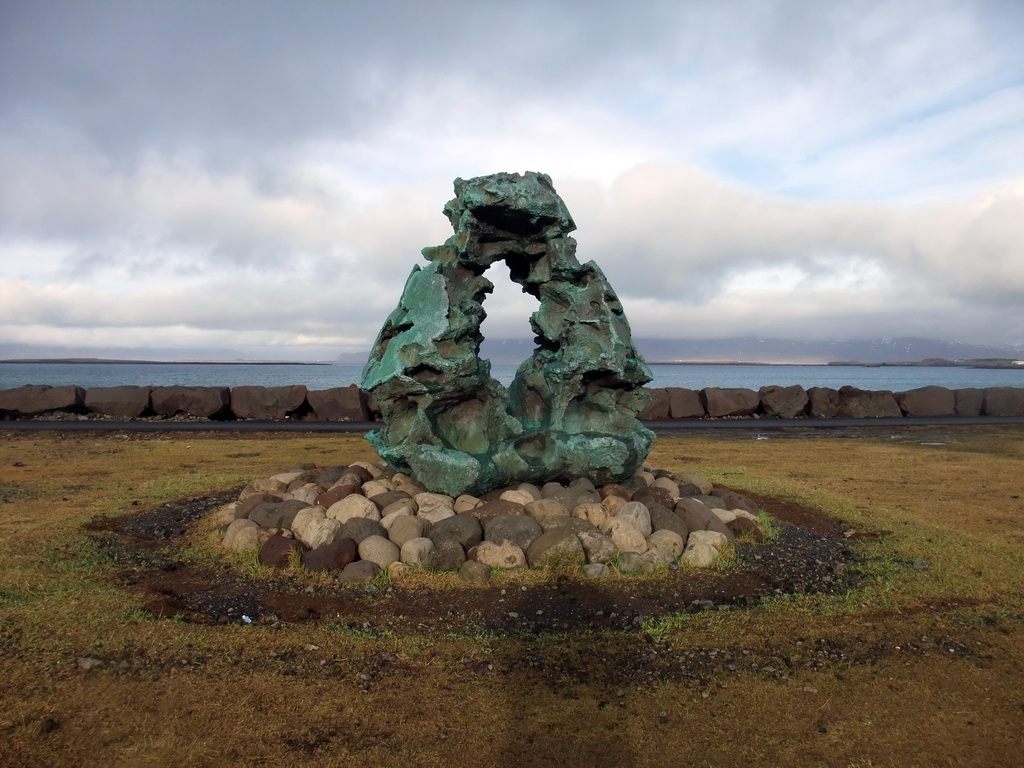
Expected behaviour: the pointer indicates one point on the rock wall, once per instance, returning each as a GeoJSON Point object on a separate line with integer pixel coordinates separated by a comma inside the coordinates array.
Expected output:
{"type": "Point", "coordinates": [352, 404]}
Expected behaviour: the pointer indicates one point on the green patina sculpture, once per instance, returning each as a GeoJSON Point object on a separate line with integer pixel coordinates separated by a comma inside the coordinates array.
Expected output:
{"type": "Point", "coordinates": [571, 410]}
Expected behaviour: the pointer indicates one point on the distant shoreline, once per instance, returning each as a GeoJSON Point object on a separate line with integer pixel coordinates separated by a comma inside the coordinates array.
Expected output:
{"type": "Point", "coordinates": [102, 361]}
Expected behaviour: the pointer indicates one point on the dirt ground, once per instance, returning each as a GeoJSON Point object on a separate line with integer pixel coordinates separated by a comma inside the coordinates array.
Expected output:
{"type": "Point", "coordinates": [122, 643]}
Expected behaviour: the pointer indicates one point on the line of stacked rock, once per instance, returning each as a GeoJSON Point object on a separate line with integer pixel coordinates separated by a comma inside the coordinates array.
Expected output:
{"type": "Point", "coordinates": [360, 519]}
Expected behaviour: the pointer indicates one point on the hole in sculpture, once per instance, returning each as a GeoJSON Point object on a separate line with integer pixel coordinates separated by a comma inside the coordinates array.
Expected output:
{"type": "Point", "coordinates": [506, 328]}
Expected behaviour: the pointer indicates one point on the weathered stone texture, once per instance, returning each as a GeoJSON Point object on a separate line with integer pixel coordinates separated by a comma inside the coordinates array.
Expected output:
{"type": "Point", "coordinates": [1003, 401]}
{"type": "Point", "coordinates": [861, 404]}
{"type": "Point", "coordinates": [685, 403]}
{"type": "Point", "coordinates": [730, 401]}
{"type": "Point", "coordinates": [126, 402]}
{"type": "Point", "coordinates": [267, 403]}
{"type": "Point", "coordinates": [571, 410]}
{"type": "Point", "coordinates": [784, 402]}
{"type": "Point", "coordinates": [339, 404]}
{"type": "Point", "coordinates": [927, 401]}
{"type": "Point", "coordinates": [34, 399]}
{"type": "Point", "coordinates": [201, 402]}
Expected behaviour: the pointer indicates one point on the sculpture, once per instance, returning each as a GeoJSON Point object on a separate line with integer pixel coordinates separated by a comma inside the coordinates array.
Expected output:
{"type": "Point", "coordinates": [571, 409]}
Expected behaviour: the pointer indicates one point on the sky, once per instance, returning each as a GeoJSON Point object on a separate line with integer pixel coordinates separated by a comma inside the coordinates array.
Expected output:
{"type": "Point", "coordinates": [201, 180]}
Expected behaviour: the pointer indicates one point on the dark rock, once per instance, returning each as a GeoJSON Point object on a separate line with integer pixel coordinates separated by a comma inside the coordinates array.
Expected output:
{"type": "Point", "coordinates": [654, 495]}
{"type": "Point", "coordinates": [388, 498]}
{"type": "Point", "coordinates": [863, 404]}
{"type": "Point", "coordinates": [927, 401]}
{"type": "Point", "coordinates": [699, 518]}
{"type": "Point", "coordinates": [968, 402]}
{"type": "Point", "coordinates": [576, 524]}
{"type": "Point", "coordinates": [465, 529]}
{"type": "Point", "coordinates": [251, 502]}
{"type": "Point", "coordinates": [521, 530]}
{"type": "Point", "coordinates": [734, 500]}
{"type": "Point", "coordinates": [663, 519]}
{"type": "Point", "coordinates": [200, 402]}
{"type": "Point", "coordinates": [279, 514]}
{"type": "Point", "coordinates": [475, 572]}
{"type": "Point", "coordinates": [331, 557]}
{"type": "Point", "coordinates": [615, 489]}
{"type": "Point", "coordinates": [277, 550]}
{"type": "Point", "coordinates": [1003, 401]}
{"type": "Point", "coordinates": [124, 402]}
{"type": "Point", "coordinates": [34, 399]}
{"type": "Point", "coordinates": [333, 495]}
{"type": "Point", "coordinates": [731, 401]}
{"type": "Point", "coordinates": [783, 402]}
{"type": "Point", "coordinates": [359, 528]}
{"type": "Point", "coordinates": [407, 527]}
{"type": "Point", "coordinates": [447, 555]}
{"type": "Point", "coordinates": [685, 404]}
{"type": "Point", "coordinates": [330, 476]}
{"type": "Point", "coordinates": [338, 404]}
{"type": "Point", "coordinates": [556, 547]}
{"type": "Point", "coordinates": [497, 508]}
{"type": "Point", "coordinates": [571, 409]}
{"type": "Point", "coordinates": [267, 403]}
{"type": "Point", "coordinates": [358, 572]}
{"type": "Point", "coordinates": [822, 402]}
{"type": "Point", "coordinates": [711, 501]}
{"type": "Point", "coordinates": [658, 410]}
{"type": "Point", "coordinates": [745, 526]}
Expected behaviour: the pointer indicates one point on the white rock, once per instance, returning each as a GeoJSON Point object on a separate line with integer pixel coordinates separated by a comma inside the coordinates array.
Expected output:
{"type": "Point", "coordinates": [242, 534]}
{"type": "Point", "coordinates": [713, 539]}
{"type": "Point", "coordinates": [517, 497]}
{"type": "Point", "coordinates": [700, 555]}
{"type": "Point", "coordinates": [427, 502]}
{"type": "Point", "coordinates": [305, 518]}
{"type": "Point", "coordinates": [668, 484]}
{"type": "Point", "coordinates": [323, 531]}
{"type": "Point", "coordinates": [373, 488]}
{"type": "Point", "coordinates": [379, 550]}
{"type": "Point", "coordinates": [435, 515]}
{"type": "Point", "coordinates": [388, 520]}
{"type": "Point", "coordinates": [668, 540]}
{"type": "Point", "coordinates": [725, 515]}
{"type": "Point", "coordinates": [305, 494]}
{"type": "Point", "coordinates": [542, 509]}
{"type": "Point", "coordinates": [638, 514]}
{"type": "Point", "coordinates": [658, 557]}
{"type": "Point", "coordinates": [504, 555]}
{"type": "Point", "coordinates": [613, 504]}
{"type": "Point", "coordinates": [596, 570]}
{"type": "Point", "coordinates": [625, 535]}
{"type": "Point", "coordinates": [465, 503]}
{"type": "Point", "coordinates": [351, 506]}
{"type": "Point", "coordinates": [416, 551]}
{"type": "Point", "coordinates": [595, 514]}
{"type": "Point", "coordinates": [743, 513]}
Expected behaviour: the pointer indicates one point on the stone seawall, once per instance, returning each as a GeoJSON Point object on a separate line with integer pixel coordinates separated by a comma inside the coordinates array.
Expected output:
{"type": "Point", "coordinates": [297, 403]}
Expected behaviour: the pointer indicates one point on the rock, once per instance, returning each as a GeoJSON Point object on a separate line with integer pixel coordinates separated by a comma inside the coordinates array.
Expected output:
{"type": "Point", "coordinates": [615, 489]}
{"type": "Point", "coordinates": [655, 495]}
{"type": "Point", "coordinates": [200, 402]}
{"type": "Point", "coordinates": [658, 410]}
{"type": "Point", "coordinates": [504, 555]}
{"type": "Point", "coordinates": [712, 539]}
{"type": "Point", "coordinates": [330, 557]}
{"type": "Point", "coordinates": [305, 495]}
{"type": "Point", "coordinates": [267, 403]}
{"type": "Point", "coordinates": [380, 492]}
{"type": "Point", "coordinates": [703, 484]}
{"type": "Point", "coordinates": [466, 503]}
{"type": "Point", "coordinates": [489, 510]}
{"type": "Point", "coordinates": [685, 404]}
{"type": "Point", "coordinates": [625, 535]}
{"type": "Point", "coordinates": [446, 556]}
{"type": "Point", "coordinates": [519, 529]}
{"type": "Point", "coordinates": [663, 519]}
{"type": "Point", "coordinates": [361, 528]}
{"type": "Point", "coordinates": [399, 571]}
{"type": "Point", "coordinates": [333, 495]}
{"type": "Point", "coordinates": [556, 547]}
{"type": "Point", "coordinates": [358, 572]}
{"type": "Point", "coordinates": [698, 517]}
{"type": "Point", "coordinates": [734, 500]}
{"type": "Point", "coordinates": [783, 402]}
{"type": "Point", "coordinates": [670, 541]}
{"type": "Point", "coordinates": [379, 550]}
{"type": "Point", "coordinates": [699, 556]}
{"type": "Point", "coordinates": [595, 514]}
{"type": "Point", "coordinates": [667, 484]}
{"type": "Point", "coordinates": [241, 535]}
{"type": "Point", "coordinates": [968, 402]}
{"type": "Point", "coordinates": [743, 526]}
{"type": "Point", "coordinates": [638, 514]}
{"type": "Point", "coordinates": [276, 515]}
{"type": "Point", "coordinates": [517, 497]}
{"type": "Point", "coordinates": [596, 570]}
{"type": "Point", "coordinates": [711, 501]}
{"type": "Point", "coordinates": [530, 490]}
{"type": "Point", "coordinates": [571, 409]}
{"type": "Point", "coordinates": [338, 404]}
{"type": "Point", "coordinates": [353, 505]}
{"type": "Point", "coordinates": [659, 557]}
{"type": "Point", "coordinates": [635, 564]}
{"type": "Point", "coordinates": [388, 518]}
{"type": "Point", "coordinates": [407, 528]}
{"type": "Point", "coordinates": [330, 476]}
{"type": "Point", "coordinates": [574, 524]}
{"type": "Point", "coordinates": [34, 399]}
{"type": "Point", "coordinates": [475, 572]}
{"type": "Point", "coordinates": [544, 508]}
{"type": "Point", "coordinates": [322, 532]}
{"type": "Point", "coordinates": [861, 404]}
{"type": "Point", "coordinates": [1003, 401]}
{"type": "Point", "coordinates": [416, 551]}
{"type": "Point", "coordinates": [822, 403]}
{"type": "Point", "coordinates": [400, 507]}
{"type": "Point", "coordinates": [123, 402]}
{"type": "Point", "coordinates": [249, 503]}
{"type": "Point", "coordinates": [277, 551]}
{"type": "Point", "coordinates": [597, 547]}
{"type": "Point", "coordinates": [927, 401]}
{"type": "Point", "coordinates": [434, 505]}
{"type": "Point", "coordinates": [465, 529]}
{"type": "Point", "coordinates": [730, 401]}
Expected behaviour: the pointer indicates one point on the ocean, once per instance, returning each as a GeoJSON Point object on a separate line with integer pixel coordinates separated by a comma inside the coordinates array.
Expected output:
{"type": "Point", "coordinates": [90, 375]}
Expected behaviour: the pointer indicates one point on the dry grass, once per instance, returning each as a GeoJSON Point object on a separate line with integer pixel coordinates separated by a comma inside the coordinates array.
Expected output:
{"type": "Point", "coordinates": [204, 695]}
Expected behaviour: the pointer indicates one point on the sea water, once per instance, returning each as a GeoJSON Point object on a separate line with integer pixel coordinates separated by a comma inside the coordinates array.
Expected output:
{"type": "Point", "coordinates": [326, 376]}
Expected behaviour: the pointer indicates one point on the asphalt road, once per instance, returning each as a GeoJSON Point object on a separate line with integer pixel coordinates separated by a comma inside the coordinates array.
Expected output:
{"type": "Point", "coordinates": [660, 427]}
